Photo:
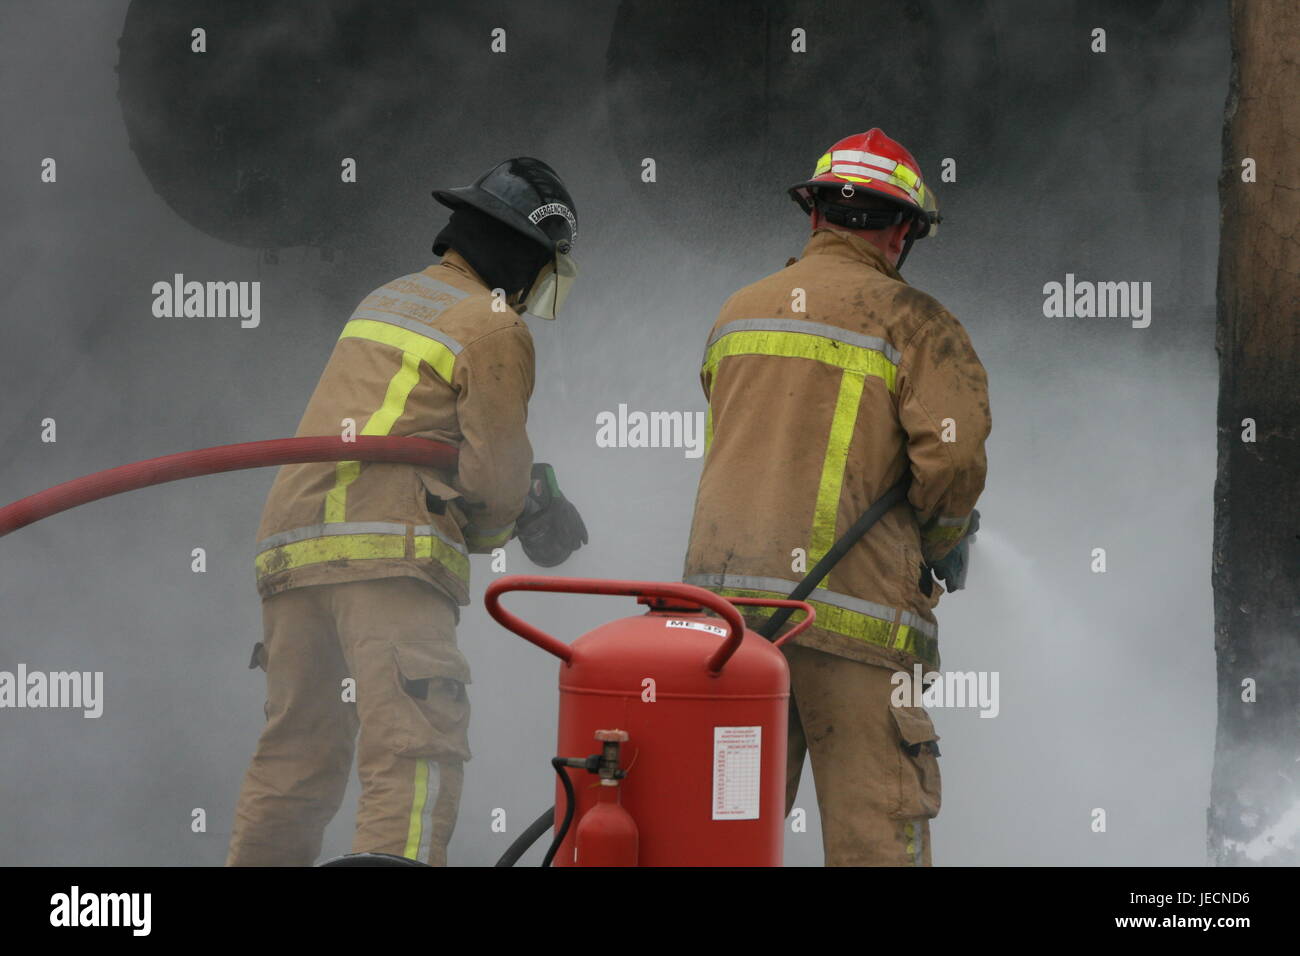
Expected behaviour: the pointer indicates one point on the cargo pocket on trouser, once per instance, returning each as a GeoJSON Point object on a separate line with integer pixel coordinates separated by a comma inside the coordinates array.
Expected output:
{"type": "Point", "coordinates": [920, 791]}
{"type": "Point", "coordinates": [430, 709]}
{"type": "Point", "coordinates": [425, 725]}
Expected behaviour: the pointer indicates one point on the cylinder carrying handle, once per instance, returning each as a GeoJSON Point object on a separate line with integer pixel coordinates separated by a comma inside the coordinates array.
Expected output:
{"type": "Point", "coordinates": [661, 589]}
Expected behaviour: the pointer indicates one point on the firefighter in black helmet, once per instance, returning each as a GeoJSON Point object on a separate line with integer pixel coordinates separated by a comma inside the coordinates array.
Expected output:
{"type": "Point", "coordinates": [362, 567]}
{"type": "Point", "coordinates": [502, 221]}
{"type": "Point", "coordinates": [526, 196]}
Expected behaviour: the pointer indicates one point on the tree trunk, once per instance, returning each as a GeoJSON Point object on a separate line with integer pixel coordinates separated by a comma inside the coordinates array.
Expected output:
{"type": "Point", "coordinates": [1254, 816]}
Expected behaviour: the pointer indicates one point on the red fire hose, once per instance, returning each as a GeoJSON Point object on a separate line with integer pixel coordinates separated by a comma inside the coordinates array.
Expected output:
{"type": "Point", "coordinates": [211, 461]}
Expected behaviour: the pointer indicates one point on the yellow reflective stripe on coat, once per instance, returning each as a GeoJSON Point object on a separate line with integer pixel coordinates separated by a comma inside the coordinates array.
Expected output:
{"type": "Point", "coordinates": [320, 543]}
{"type": "Point", "coordinates": [943, 531]}
{"type": "Point", "coordinates": [827, 510]}
{"type": "Point", "coordinates": [489, 538]}
{"type": "Point", "coordinates": [861, 627]}
{"type": "Point", "coordinates": [430, 546]}
{"type": "Point", "coordinates": [333, 548]}
{"type": "Point", "coordinates": [430, 351]}
{"type": "Point", "coordinates": [940, 535]}
{"type": "Point", "coordinates": [706, 379]}
{"type": "Point", "coordinates": [858, 355]}
{"type": "Point", "coordinates": [380, 423]}
{"type": "Point", "coordinates": [418, 343]}
{"type": "Point", "coordinates": [815, 341]}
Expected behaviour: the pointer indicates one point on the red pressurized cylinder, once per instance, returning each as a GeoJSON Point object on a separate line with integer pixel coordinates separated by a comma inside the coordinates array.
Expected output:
{"type": "Point", "coordinates": [704, 703]}
{"type": "Point", "coordinates": [607, 835]}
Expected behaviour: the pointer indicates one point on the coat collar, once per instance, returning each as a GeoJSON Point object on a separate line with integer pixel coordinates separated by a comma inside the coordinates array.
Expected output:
{"type": "Point", "coordinates": [835, 242]}
{"type": "Point", "coordinates": [456, 262]}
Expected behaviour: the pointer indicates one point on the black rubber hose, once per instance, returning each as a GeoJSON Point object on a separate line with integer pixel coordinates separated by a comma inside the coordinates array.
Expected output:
{"type": "Point", "coordinates": [569, 800]}
{"type": "Point", "coordinates": [823, 567]}
{"type": "Point", "coordinates": [524, 842]}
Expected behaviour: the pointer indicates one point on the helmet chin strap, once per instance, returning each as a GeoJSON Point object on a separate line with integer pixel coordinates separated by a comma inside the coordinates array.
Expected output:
{"type": "Point", "coordinates": [869, 219]}
{"type": "Point", "coordinates": [907, 247]}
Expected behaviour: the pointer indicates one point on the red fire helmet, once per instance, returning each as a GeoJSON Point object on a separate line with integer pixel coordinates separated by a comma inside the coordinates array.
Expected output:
{"type": "Point", "coordinates": [874, 162]}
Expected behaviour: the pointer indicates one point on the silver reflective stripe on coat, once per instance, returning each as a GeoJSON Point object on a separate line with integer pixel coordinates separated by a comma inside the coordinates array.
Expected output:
{"type": "Point", "coordinates": [427, 529]}
{"type": "Point", "coordinates": [321, 530]}
{"type": "Point", "coordinates": [436, 286]}
{"type": "Point", "coordinates": [407, 298]}
{"type": "Point", "coordinates": [747, 582]}
{"type": "Point", "coordinates": [808, 328]}
{"type": "Point", "coordinates": [425, 308]}
{"type": "Point", "coordinates": [354, 527]}
{"type": "Point", "coordinates": [411, 325]}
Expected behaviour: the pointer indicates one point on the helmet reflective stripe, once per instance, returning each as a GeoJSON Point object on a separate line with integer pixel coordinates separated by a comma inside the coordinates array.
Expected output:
{"type": "Point", "coordinates": [869, 164]}
{"type": "Point", "coordinates": [906, 175]}
{"type": "Point", "coordinates": [863, 174]}
{"type": "Point", "coordinates": [865, 165]}
{"type": "Point", "coordinates": [869, 159]}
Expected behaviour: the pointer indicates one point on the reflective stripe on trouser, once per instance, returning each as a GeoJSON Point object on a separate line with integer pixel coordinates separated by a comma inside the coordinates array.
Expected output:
{"type": "Point", "coordinates": [378, 657]}
{"type": "Point", "coordinates": [838, 613]}
{"type": "Point", "coordinates": [876, 797]}
{"type": "Point", "coordinates": [359, 541]}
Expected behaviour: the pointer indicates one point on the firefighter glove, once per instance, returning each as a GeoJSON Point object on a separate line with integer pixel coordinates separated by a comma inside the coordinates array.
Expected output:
{"type": "Point", "coordinates": [550, 528]}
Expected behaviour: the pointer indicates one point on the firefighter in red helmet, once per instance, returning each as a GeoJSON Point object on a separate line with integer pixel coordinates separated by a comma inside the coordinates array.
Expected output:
{"type": "Point", "coordinates": [829, 381]}
{"type": "Point", "coordinates": [877, 166]}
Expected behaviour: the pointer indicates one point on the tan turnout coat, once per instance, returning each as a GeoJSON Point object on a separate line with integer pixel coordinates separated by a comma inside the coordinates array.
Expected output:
{"type": "Point", "coordinates": [826, 382]}
{"type": "Point", "coordinates": [426, 355]}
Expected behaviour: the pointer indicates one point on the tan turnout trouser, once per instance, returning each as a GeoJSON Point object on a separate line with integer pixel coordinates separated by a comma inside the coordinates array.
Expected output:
{"type": "Point", "coordinates": [377, 656]}
{"type": "Point", "coordinates": [875, 765]}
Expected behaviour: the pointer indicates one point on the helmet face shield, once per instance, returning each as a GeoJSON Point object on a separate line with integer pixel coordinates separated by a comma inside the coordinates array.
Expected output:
{"type": "Point", "coordinates": [552, 287]}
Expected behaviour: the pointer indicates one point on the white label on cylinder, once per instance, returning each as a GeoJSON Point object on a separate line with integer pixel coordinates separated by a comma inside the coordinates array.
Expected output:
{"type": "Point", "coordinates": [697, 626]}
{"type": "Point", "coordinates": [737, 772]}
